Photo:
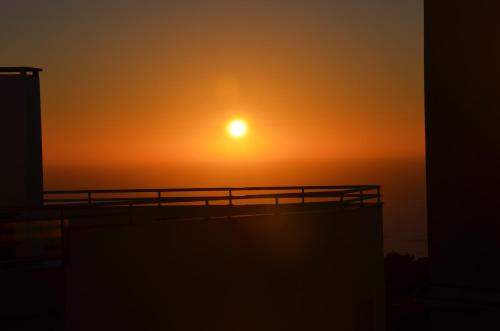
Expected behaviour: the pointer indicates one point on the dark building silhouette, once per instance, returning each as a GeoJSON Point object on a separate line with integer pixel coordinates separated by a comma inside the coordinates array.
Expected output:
{"type": "Point", "coordinates": [21, 172]}
{"type": "Point", "coordinates": [462, 90]}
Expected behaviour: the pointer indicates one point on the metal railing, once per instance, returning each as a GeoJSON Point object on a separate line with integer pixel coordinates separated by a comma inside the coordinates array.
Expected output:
{"type": "Point", "coordinates": [347, 195]}
{"type": "Point", "coordinates": [58, 202]}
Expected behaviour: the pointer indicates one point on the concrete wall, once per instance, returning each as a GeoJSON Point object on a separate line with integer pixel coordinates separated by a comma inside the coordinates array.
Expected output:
{"type": "Point", "coordinates": [320, 271]}
{"type": "Point", "coordinates": [462, 74]}
{"type": "Point", "coordinates": [21, 173]}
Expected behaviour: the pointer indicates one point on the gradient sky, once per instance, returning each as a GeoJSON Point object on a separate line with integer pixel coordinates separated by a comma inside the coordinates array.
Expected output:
{"type": "Point", "coordinates": [155, 82]}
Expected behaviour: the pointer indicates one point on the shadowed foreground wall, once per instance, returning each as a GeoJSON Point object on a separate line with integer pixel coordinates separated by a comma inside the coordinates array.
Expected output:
{"type": "Point", "coordinates": [462, 72]}
{"type": "Point", "coordinates": [320, 271]}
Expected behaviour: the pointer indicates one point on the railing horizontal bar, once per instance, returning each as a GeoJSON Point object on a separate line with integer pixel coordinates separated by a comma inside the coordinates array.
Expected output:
{"type": "Point", "coordinates": [125, 201]}
{"type": "Point", "coordinates": [215, 189]}
{"type": "Point", "coordinates": [218, 198]}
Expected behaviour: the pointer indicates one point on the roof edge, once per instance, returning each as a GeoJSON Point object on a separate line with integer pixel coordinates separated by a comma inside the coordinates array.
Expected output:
{"type": "Point", "coordinates": [19, 69]}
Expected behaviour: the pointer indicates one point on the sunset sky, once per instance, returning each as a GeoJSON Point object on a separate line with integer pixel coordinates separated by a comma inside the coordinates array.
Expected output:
{"type": "Point", "coordinates": [156, 82]}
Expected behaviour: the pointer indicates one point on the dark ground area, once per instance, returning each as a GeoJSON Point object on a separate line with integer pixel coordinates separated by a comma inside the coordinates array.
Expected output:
{"type": "Point", "coordinates": [406, 279]}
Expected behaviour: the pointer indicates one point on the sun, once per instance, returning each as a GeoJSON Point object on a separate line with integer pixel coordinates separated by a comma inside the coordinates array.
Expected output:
{"type": "Point", "coordinates": [237, 128]}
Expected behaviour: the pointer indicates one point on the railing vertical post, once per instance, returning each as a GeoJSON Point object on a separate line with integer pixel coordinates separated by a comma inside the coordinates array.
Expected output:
{"type": "Point", "coordinates": [131, 219]}
{"type": "Point", "coordinates": [64, 248]}
{"type": "Point", "coordinates": [303, 198]}
{"type": "Point", "coordinates": [277, 204]}
{"type": "Point", "coordinates": [207, 211]}
{"type": "Point", "coordinates": [89, 197]}
{"type": "Point", "coordinates": [159, 198]}
{"type": "Point", "coordinates": [378, 194]}
{"type": "Point", "coordinates": [230, 197]}
{"type": "Point", "coordinates": [361, 197]}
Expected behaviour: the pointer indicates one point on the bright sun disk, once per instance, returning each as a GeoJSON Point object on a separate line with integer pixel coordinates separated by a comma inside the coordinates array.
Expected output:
{"type": "Point", "coordinates": [237, 128]}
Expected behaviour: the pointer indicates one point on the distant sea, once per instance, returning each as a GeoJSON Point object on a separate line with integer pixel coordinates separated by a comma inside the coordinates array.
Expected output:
{"type": "Point", "coordinates": [402, 181]}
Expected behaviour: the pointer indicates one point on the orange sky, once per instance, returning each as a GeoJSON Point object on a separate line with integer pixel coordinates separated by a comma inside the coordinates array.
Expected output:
{"type": "Point", "coordinates": [157, 83]}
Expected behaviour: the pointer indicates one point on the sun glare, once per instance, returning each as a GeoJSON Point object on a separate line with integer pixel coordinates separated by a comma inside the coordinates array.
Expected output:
{"type": "Point", "coordinates": [237, 128]}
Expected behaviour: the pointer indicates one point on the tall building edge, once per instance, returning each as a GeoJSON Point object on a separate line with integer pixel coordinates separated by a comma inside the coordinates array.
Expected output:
{"type": "Point", "coordinates": [35, 182]}
{"type": "Point", "coordinates": [462, 70]}
{"type": "Point", "coordinates": [21, 170]}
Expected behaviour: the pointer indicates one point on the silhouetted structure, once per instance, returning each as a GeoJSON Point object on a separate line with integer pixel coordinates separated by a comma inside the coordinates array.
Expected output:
{"type": "Point", "coordinates": [462, 69]}
{"type": "Point", "coordinates": [21, 173]}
